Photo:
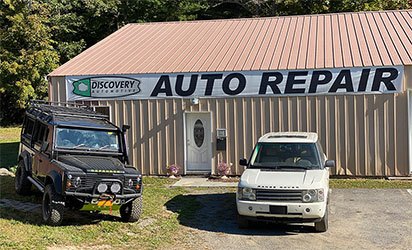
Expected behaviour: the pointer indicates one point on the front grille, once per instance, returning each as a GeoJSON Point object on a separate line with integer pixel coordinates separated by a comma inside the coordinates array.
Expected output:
{"type": "Point", "coordinates": [88, 183]}
{"type": "Point", "coordinates": [91, 180]}
{"type": "Point", "coordinates": [279, 195]}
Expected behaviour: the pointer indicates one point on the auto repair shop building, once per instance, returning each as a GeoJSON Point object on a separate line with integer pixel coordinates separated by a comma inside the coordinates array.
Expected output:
{"type": "Point", "coordinates": [200, 92]}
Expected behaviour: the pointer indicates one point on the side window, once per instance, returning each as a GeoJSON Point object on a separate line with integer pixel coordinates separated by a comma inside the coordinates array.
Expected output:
{"type": "Point", "coordinates": [104, 110]}
{"type": "Point", "coordinates": [322, 154]}
{"type": "Point", "coordinates": [27, 131]}
{"type": "Point", "coordinates": [28, 127]}
{"type": "Point", "coordinates": [41, 135]}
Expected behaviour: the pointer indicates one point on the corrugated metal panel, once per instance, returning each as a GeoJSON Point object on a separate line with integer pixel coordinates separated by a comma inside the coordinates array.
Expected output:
{"type": "Point", "coordinates": [287, 42]}
{"type": "Point", "coordinates": [365, 134]}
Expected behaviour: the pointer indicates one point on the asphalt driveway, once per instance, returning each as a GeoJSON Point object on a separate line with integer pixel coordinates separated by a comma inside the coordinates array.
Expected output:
{"type": "Point", "coordinates": [359, 219]}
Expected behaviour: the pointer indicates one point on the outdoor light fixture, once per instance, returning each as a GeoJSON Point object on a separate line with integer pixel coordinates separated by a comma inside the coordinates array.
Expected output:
{"type": "Point", "coordinates": [194, 101]}
{"type": "Point", "coordinates": [115, 188]}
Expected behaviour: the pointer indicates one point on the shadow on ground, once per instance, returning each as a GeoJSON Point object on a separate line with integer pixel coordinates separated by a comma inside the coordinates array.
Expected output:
{"type": "Point", "coordinates": [9, 152]}
{"type": "Point", "coordinates": [217, 213]}
{"type": "Point", "coordinates": [34, 217]}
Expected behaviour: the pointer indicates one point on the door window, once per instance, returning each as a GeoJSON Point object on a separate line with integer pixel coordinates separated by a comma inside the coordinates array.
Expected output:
{"type": "Point", "coordinates": [199, 133]}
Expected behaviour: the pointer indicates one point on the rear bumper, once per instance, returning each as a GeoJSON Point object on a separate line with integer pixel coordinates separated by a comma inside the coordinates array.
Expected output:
{"type": "Point", "coordinates": [295, 212]}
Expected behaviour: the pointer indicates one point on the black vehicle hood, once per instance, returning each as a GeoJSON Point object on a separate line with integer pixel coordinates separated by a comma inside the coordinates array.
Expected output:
{"type": "Point", "coordinates": [94, 164]}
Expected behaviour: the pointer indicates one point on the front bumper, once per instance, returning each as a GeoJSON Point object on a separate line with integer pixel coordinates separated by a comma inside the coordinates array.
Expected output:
{"type": "Point", "coordinates": [96, 196]}
{"type": "Point", "coordinates": [295, 212]}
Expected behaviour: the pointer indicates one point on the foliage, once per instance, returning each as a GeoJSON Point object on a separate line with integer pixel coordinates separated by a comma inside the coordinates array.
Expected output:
{"type": "Point", "coordinates": [370, 183]}
{"type": "Point", "coordinates": [38, 35]}
{"type": "Point", "coordinates": [27, 56]}
{"type": "Point", "coordinates": [173, 169]}
{"type": "Point", "coordinates": [223, 168]}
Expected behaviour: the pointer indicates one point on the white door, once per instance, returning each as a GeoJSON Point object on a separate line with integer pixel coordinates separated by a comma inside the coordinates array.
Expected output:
{"type": "Point", "coordinates": [198, 142]}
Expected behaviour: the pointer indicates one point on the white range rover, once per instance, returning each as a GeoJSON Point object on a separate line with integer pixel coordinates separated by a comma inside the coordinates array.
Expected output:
{"type": "Point", "coordinates": [286, 180]}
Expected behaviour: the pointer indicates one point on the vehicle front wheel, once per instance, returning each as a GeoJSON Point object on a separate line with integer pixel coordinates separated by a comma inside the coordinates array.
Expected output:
{"type": "Point", "coordinates": [242, 221]}
{"type": "Point", "coordinates": [21, 183]}
{"type": "Point", "coordinates": [131, 211]}
{"type": "Point", "coordinates": [52, 207]}
{"type": "Point", "coordinates": [322, 226]}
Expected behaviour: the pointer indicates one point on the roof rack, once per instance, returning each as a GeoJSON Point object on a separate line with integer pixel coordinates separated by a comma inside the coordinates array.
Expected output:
{"type": "Point", "coordinates": [48, 110]}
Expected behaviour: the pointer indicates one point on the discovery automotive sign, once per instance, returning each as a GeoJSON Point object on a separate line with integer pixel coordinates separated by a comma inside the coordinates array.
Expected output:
{"type": "Point", "coordinates": [244, 83]}
{"type": "Point", "coordinates": [103, 87]}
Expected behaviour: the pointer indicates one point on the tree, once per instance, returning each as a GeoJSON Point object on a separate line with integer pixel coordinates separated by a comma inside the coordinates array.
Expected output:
{"type": "Point", "coordinates": [26, 56]}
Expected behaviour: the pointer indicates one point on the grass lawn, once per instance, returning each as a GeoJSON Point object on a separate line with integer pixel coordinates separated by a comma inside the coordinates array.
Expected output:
{"type": "Point", "coordinates": [9, 146]}
{"type": "Point", "coordinates": [156, 228]}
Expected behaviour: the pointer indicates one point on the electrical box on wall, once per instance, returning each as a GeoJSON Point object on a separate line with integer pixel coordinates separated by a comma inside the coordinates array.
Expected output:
{"type": "Point", "coordinates": [221, 139]}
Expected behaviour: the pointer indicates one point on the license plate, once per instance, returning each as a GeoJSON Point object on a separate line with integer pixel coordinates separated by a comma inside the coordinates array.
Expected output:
{"type": "Point", "coordinates": [278, 209]}
{"type": "Point", "coordinates": [105, 203]}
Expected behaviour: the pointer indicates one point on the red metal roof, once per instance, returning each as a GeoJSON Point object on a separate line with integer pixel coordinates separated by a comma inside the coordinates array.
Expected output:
{"type": "Point", "coordinates": [286, 42]}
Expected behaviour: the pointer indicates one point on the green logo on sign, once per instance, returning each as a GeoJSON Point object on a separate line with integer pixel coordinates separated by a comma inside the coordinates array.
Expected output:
{"type": "Point", "coordinates": [82, 87]}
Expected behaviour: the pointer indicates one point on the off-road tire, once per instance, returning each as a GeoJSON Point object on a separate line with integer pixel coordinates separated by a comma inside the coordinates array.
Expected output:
{"type": "Point", "coordinates": [242, 222]}
{"type": "Point", "coordinates": [131, 211]}
{"type": "Point", "coordinates": [52, 207]}
{"type": "Point", "coordinates": [322, 226]}
{"type": "Point", "coordinates": [21, 183]}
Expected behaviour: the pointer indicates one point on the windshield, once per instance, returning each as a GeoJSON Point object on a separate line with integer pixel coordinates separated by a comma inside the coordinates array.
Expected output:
{"type": "Point", "coordinates": [86, 139]}
{"type": "Point", "coordinates": [285, 155]}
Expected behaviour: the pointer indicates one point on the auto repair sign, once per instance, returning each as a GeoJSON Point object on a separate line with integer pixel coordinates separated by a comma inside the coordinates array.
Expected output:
{"type": "Point", "coordinates": [370, 80]}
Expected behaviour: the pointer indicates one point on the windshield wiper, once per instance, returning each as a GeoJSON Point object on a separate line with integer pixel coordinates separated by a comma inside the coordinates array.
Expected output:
{"type": "Point", "coordinates": [78, 146]}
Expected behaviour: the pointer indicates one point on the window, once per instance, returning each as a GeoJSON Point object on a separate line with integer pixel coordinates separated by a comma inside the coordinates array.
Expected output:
{"type": "Point", "coordinates": [42, 133]}
{"type": "Point", "coordinates": [285, 155]}
{"type": "Point", "coordinates": [28, 127]}
{"type": "Point", "coordinates": [87, 139]}
{"type": "Point", "coordinates": [104, 110]}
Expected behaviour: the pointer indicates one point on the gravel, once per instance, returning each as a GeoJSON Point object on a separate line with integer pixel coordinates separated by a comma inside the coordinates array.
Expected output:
{"type": "Point", "coordinates": [358, 219]}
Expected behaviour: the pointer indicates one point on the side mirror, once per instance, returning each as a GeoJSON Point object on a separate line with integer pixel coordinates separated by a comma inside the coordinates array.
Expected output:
{"type": "Point", "coordinates": [330, 164]}
{"type": "Point", "coordinates": [125, 127]}
{"type": "Point", "coordinates": [44, 146]}
{"type": "Point", "coordinates": [243, 162]}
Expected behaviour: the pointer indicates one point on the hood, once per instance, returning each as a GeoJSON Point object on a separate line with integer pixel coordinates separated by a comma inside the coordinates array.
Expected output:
{"type": "Point", "coordinates": [95, 164]}
{"type": "Point", "coordinates": [256, 178]}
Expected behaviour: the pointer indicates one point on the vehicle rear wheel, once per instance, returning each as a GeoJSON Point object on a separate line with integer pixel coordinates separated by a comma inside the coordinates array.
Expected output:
{"type": "Point", "coordinates": [52, 207]}
{"type": "Point", "coordinates": [242, 221]}
{"type": "Point", "coordinates": [322, 226]}
{"type": "Point", "coordinates": [21, 183]}
{"type": "Point", "coordinates": [130, 212]}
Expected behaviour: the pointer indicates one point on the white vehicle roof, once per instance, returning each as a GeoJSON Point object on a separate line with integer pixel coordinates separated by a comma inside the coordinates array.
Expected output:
{"type": "Point", "coordinates": [290, 137]}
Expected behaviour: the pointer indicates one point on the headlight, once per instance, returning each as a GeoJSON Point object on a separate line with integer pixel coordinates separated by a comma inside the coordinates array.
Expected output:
{"type": "Point", "coordinates": [77, 182]}
{"type": "Point", "coordinates": [246, 193]}
{"type": "Point", "coordinates": [313, 195]}
{"type": "Point", "coordinates": [130, 183]}
{"type": "Point", "coordinates": [73, 181]}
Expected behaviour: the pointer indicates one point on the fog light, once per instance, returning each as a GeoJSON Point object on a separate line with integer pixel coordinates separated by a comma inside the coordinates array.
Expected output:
{"type": "Point", "coordinates": [102, 187]}
{"type": "Point", "coordinates": [115, 188]}
{"type": "Point", "coordinates": [250, 208]}
{"type": "Point", "coordinates": [307, 210]}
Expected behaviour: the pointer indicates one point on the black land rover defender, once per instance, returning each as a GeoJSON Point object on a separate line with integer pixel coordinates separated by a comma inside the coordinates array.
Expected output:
{"type": "Point", "coordinates": [79, 160]}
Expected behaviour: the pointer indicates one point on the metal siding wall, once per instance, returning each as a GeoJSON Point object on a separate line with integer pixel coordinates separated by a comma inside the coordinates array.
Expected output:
{"type": "Point", "coordinates": [365, 134]}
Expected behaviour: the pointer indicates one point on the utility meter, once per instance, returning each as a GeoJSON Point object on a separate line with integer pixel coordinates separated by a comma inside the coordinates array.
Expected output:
{"type": "Point", "coordinates": [221, 139]}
